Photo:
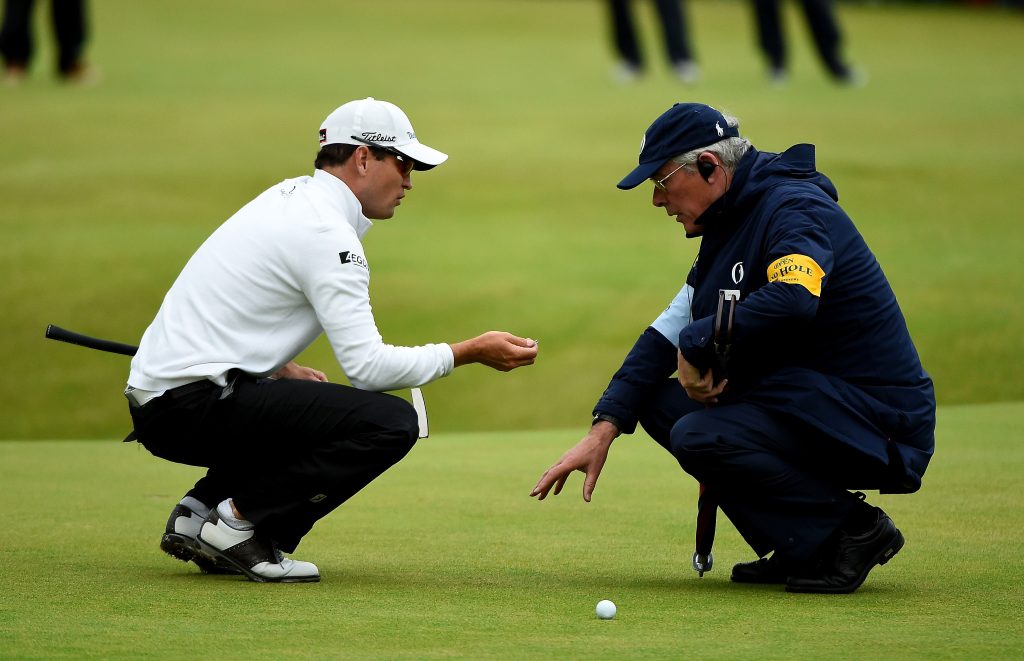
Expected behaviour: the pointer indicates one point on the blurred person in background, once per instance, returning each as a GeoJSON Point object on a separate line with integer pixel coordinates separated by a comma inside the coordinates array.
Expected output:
{"type": "Point", "coordinates": [674, 30]}
{"type": "Point", "coordinates": [824, 26]}
{"type": "Point", "coordinates": [214, 382]}
{"type": "Point", "coordinates": [809, 388]}
{"type": "Point", "coordinates": [69, 28]}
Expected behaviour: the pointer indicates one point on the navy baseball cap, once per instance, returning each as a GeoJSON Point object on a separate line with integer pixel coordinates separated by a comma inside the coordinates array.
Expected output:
{"type": "Point", "coordinates": [682, 127]}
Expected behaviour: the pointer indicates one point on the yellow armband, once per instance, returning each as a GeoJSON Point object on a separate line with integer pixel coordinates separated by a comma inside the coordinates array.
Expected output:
{"type": "Point", "coordinates": [797, 270]}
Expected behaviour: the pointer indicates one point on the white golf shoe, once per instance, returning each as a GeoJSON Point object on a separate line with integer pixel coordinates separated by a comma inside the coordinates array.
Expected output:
{"type": "Point", "coordinates": [179, 538]}
{"type": "Point", "coordinates": [253, 554]}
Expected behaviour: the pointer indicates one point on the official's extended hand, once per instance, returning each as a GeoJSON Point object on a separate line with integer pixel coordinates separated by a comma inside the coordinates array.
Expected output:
{"type": "Point", "coordinates": [699, 388]}
{"type": "Point", "coordinates": [588, 456]}
{"type": "Point", "coordinates": [496, 349]}
{"type": "Point", "coordinates": [295, 371]}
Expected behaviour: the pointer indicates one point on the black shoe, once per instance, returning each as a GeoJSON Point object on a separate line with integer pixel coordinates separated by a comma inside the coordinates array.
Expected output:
{"type": "Point", "coordinates": [852, 558]}
{"type": "Point", "coordinates": [179, 541]}
{"type": "Point", "coordinates": [762, 570]}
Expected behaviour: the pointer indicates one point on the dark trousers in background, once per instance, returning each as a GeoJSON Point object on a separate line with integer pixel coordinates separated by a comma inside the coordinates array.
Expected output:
{"type": "Point", "coordinates": [782, 485]}
{"type": "Point", "coordinates": [821, 19]}
{"type": "Point", "coordinates": [68, 18]}
{"type": "Point", "coordinates": [673, 25]}
{"type": "Point", "coordinates": [287, 452]}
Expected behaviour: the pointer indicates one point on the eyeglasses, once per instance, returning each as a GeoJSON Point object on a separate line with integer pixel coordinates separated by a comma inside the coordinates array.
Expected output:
{"type": "Point", "coordinates": [660, 183]}
{"type": "Point", "coordinates": [405, 164]}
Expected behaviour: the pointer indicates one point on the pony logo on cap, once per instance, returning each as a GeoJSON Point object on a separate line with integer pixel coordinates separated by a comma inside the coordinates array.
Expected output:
{"type": "Point", "coordinates": [323, 136]}
{"type": "Point", "coordinates": [721, 131]}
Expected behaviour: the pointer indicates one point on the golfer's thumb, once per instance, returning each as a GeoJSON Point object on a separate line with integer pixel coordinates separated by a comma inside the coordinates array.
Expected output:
{"type": "Point", "coordinates": [522, 341]}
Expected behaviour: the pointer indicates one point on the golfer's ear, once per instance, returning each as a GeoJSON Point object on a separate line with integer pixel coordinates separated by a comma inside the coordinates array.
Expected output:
{"type": "Point", "coordinates": [361, 158]}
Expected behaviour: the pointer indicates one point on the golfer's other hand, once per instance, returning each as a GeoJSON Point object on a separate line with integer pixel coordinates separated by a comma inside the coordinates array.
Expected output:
{"type": "Point", "coordinates": [496, 349]}
{"type": "Point", "coordinates": [295, 371]}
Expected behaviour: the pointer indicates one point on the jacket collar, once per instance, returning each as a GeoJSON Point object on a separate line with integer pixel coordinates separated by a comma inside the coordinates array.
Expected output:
{"type": "Point", "coordinates": [718, 214]}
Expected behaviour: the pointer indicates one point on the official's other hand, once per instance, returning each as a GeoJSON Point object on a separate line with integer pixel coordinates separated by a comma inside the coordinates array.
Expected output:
{"type": "Point", "coordinates": [587, 456]}
{"type": "Point", "coordinates": [699, 388]}
{"type": "Point", "coordinates": [496, 349]}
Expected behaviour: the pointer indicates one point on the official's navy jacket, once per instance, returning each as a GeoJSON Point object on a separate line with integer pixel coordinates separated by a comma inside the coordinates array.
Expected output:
{"type": "Point", "coordinates": [818, 334]}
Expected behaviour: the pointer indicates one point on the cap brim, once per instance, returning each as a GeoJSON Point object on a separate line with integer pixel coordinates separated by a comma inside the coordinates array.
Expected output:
{"type": "Point", "coordinates": [425, 157]}
{"type": "Point", "coordinates": [639, 175]}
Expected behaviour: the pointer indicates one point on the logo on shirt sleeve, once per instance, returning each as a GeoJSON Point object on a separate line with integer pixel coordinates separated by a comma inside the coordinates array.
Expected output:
{"type": "Point", "coordinates": [797, 270]}
{"type": "Point", "coordinates": [352, 258]}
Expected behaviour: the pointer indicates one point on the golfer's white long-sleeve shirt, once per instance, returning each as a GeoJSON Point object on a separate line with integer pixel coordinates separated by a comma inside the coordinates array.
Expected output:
{"type": "Point", "coordinates": [285, 268]}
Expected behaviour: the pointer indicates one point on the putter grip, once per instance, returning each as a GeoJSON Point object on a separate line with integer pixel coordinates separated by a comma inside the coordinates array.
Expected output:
{"type": "Point", "coordinates": [71, 337]}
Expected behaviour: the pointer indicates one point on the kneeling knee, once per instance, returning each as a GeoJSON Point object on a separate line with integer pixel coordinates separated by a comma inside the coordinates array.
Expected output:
{"type": "Point", "coordinates": [397, 421]}
{"type": "Point", "coordinates": [692, 446]}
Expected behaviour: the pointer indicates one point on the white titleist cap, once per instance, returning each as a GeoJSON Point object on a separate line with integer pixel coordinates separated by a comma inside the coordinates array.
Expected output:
{"type": "Point", "coordinates": [381, 124]}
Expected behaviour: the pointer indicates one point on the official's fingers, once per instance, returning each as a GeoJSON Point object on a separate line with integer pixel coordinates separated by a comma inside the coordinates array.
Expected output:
{"type": "Point", "coordinates": [561, 482]}
{"type": "Point", "coordinates": [545, 481]}
{"type": "Point", "coordinates": [551, 476]}
{"type": "Point", "coordinates": [593, 472]}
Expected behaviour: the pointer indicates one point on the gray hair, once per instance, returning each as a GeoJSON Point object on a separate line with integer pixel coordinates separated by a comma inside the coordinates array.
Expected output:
{"type": "Point", "coordinates": [729, 151]}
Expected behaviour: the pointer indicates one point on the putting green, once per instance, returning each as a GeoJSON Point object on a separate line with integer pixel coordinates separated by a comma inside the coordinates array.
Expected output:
{"type": "Point", "coordinates": [447, 556]}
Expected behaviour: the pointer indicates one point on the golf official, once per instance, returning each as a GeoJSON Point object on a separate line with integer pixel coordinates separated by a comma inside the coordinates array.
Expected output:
{"type": "Point", "coordinates": [797, 380]}
{"type": "Point", "coordinates": [214, 383]}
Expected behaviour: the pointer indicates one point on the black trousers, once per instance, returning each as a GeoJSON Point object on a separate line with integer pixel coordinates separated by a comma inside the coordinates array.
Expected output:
{"type": "Point", "coordinates": [821, 19]}
{"type": "Point", "coordinates": [287, 452]}
{"type": "Point", "coordinates": [782, 484]}
{"type": "Point", "coordinates": [68, 26]}
{"type": "Point", "coordinates": [673, 25]}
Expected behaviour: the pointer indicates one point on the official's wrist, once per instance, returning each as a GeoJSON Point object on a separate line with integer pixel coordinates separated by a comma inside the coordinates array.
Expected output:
{"type": "Point", "coordinates": [605, 417]}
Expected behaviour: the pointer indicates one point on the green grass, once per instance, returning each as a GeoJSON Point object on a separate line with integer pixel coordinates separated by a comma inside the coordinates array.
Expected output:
{"type": "Point", "coordinates": [446, 555]}
{"type": "Point", "coordinates": [106, 191]}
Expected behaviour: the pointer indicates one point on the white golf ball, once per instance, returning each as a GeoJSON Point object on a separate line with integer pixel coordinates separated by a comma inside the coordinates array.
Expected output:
{"type": "Point", "coordinates": [605, 609]}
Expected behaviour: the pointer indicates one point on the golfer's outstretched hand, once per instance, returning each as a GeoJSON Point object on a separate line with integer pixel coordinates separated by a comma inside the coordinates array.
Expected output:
{"type": "Point", "coordinates": [496, 349]}
{"type": "Point", "coordinates": [587, 456]}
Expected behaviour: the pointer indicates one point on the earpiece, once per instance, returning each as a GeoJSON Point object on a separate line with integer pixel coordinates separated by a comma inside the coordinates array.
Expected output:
{"type": "Point", "coordinates": [706, 169]}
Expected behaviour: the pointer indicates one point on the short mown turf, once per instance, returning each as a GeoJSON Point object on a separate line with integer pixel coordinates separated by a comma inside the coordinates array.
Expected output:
{"type": "Point", "coordinates": [447, 556]}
